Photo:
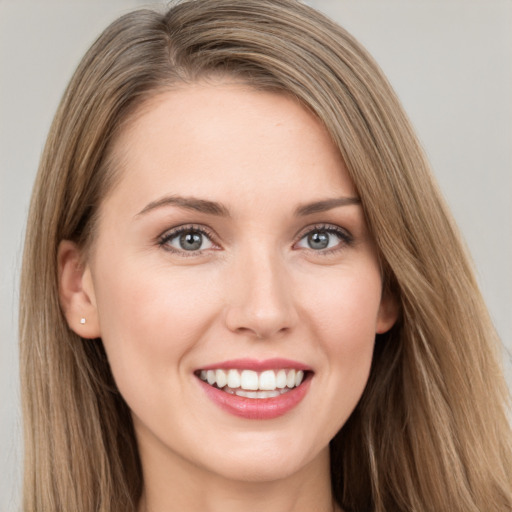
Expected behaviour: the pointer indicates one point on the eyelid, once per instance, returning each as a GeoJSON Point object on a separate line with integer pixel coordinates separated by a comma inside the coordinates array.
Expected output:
{"type": "Point", "coordinates": [171, 233]}
{"type": "Point", "coordinates": [346, 237]}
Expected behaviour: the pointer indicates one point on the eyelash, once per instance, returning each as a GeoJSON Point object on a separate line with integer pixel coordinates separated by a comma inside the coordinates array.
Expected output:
{"type": "Point", "coordinates": [345, 237]}
{"type": "Point", "coordinates": [163, 240]}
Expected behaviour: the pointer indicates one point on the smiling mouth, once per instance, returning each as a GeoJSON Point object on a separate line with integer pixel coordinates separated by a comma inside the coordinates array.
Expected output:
{"type": "Point", "coordinates": [253, 384]}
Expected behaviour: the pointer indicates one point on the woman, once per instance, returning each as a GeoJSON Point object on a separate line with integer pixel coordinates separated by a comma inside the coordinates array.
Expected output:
{"type": "Point", "coordinates": [241, 287]}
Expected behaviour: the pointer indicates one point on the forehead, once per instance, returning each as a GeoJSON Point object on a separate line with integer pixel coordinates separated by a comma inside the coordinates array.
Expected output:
{"type": "Point", "coordinates": [226, 139]}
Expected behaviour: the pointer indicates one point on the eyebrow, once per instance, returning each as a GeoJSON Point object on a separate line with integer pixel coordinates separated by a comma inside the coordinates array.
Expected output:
{"type": "Point", "coordinates": [325, 205]}
{"type": "Point", "coordinates": [189, 203]}
{"type": "Point", "coordinates": [214, 208]}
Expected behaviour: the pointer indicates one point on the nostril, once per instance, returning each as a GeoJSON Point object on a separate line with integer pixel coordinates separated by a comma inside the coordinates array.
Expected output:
{"type": "Point", "coordinates": [260, 303]}
{"type": "Point", "coordinates": [259, 326]}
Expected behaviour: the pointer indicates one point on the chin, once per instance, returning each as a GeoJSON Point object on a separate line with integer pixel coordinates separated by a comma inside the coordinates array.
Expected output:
{"type": "Point", "coordinates": [259, 471]}
{"type": "Point", "coordinates": [266, 462]}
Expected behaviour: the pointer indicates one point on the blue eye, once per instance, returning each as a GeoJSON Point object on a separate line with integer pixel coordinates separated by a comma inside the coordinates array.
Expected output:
{"type": "Point", "coordinates": [324, 238]}
{"type": "Point", "coordinates": [187, 239]}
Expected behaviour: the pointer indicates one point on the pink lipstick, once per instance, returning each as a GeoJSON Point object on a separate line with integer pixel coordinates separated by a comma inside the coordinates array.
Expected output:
{"type": "Point", "coordinates": [256, 389]}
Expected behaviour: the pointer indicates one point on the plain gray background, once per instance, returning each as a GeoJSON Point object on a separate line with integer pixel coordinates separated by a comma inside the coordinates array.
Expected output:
{"type": "Point", "coordinates": [449, 60]}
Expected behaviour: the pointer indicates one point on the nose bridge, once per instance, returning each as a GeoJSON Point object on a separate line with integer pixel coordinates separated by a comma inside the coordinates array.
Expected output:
{"type": "Point", "coordinates": [260, 298]}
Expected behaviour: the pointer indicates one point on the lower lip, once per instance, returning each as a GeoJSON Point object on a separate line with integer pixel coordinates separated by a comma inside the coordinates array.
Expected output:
{"type": "Point", "coordinates": [257, 408]}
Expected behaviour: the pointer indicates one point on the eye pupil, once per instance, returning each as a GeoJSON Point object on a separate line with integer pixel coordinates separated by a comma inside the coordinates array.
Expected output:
{"type": "Point", "coordinates": [191, 241]}
{"type": "Point", "coordinates": [318, 240]}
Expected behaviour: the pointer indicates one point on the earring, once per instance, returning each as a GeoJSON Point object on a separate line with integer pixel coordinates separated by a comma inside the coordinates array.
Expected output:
{"type": "Point", "coordinates": [82, 320]}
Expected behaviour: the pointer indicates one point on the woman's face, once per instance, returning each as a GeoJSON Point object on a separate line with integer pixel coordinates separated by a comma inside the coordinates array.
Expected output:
{"type": "Point", "coordinates": [234, 249]}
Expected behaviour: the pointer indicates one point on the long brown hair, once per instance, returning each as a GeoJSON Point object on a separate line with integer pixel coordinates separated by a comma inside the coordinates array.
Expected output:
{"type": "Point", "coordinates": [430, 432]}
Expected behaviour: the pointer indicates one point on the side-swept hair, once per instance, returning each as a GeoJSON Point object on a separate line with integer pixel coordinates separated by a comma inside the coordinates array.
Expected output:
{"type": "Point", "coordinates": [430, 432]}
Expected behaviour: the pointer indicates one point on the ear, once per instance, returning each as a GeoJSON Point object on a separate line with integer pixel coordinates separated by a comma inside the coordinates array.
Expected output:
{"type": "Point", "coordinates": [388, 313]}
{"type": "Point", "coordinates": [76, 291]}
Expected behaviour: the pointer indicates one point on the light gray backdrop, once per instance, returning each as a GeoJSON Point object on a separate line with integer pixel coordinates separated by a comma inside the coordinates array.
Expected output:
{"type": "Point", "coordinates": [449, 60]}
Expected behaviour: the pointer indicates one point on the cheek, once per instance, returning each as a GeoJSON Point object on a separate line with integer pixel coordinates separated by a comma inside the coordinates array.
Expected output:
{"type": "Point", "coordinates": [149, 320]}
{"type": "Point", "coordinates": [344, 318]}
{"type": "Point", "coordinates": [346, 308]}
{"type": "Point", "coordinates": [137, 299]}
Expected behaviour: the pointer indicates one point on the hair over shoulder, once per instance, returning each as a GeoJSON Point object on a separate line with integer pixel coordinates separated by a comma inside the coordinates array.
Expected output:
{"type": "Point", "coordinates": [430, 432]}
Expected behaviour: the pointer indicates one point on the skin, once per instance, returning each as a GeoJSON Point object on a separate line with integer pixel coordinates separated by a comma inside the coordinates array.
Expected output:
{"type": "Point", "coordinates": [256, 290]}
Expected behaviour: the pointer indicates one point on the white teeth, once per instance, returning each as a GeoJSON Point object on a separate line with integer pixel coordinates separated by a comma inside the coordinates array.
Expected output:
{"type": "Point", "coordinates": [221, 378]}
{"type": "Point", "coordinates": [267, 380]}
{"type": "Point", "coordinates": [257, 394]}
{"type": "Point", "coordinates": [249, 380]}
{"type": "Point", "coordinates": [281, 379]}
{"type": "Point", "coordinates": [290, 379]}
{"type": "Point", "coordinates": [233, 379]}
{"type": "Point", "coordinates": [268, 394]}
{"type": "Point", "coordinates": [266, 384]}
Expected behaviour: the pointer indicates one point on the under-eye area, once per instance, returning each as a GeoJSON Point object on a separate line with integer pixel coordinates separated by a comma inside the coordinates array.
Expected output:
{"type": "Point", "coordinates": [253, 384]}
{"type": "Point", "coordinates": [324, 238]}
{"type": "Point", "coordinates": [193, 240]}
{"type": "Point", "coordinates": [188, 240]}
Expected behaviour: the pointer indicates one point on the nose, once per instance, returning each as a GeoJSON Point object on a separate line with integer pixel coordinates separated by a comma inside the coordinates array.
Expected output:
{"type": "Point", "coordinates": [260, 300]}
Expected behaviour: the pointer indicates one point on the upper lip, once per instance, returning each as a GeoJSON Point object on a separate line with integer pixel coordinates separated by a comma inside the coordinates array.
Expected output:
{"type": "Point", "coordinates": [258, 365]}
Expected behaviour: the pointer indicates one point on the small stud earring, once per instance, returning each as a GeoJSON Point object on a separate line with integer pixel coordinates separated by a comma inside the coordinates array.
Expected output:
{"type": "Point", "coordinates": [82, 321]}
